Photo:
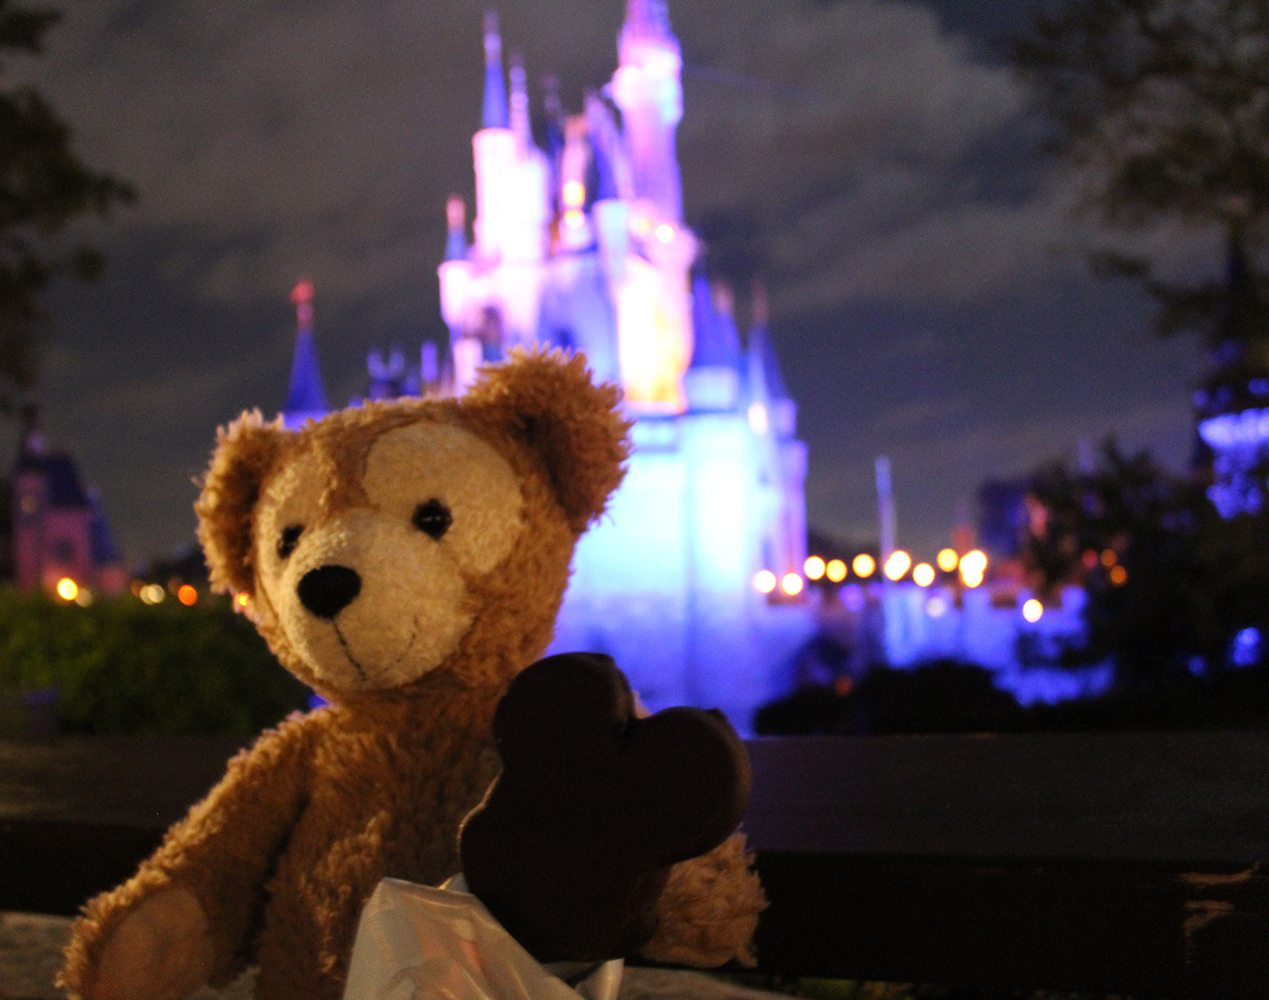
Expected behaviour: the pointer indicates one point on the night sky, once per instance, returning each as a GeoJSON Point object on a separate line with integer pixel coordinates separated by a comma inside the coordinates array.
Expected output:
{"type": "Point", "coordinates": [871, 160]}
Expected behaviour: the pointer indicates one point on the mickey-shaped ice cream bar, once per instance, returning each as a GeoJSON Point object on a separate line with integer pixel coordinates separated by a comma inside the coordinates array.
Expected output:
{"type": "Point", "coordinates": [573, 845]}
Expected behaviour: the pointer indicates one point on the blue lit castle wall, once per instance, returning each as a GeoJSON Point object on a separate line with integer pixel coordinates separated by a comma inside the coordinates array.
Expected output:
{"type": "Point", "coordinates": [583, 245]}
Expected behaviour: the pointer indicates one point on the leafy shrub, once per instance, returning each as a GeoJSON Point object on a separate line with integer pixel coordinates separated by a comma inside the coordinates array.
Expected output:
{"type": "Point", "coordinates": [121, 666]}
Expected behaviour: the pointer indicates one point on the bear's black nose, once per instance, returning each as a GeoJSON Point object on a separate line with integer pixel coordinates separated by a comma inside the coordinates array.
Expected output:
{"type": "Point", "coordinates": [327, 590]}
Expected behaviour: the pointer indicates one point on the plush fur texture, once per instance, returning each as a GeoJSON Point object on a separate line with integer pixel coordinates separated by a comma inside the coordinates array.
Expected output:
{"type": "Point", "coordinates": [406, 560]}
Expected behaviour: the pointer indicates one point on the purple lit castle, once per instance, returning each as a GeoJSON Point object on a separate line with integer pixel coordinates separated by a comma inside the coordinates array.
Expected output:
{"type": "Point", "coordinates": [582, 245]}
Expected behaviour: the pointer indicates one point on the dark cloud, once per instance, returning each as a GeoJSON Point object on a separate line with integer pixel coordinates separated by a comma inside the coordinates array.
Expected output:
{"type": "Point", "coordinates": [869, 158]}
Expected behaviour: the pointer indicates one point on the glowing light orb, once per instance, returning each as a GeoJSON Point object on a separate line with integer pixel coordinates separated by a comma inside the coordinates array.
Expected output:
{"type": "Point", "coordinates": [187, 595]}
{"type": "Point", "coordinates": [947, 560]}
{"type": "Point", "coordinates": [897, 564]}
{"type": "Point", "coordinates": [758, 418]}
{"type": "Point", "coordinates": [764, 581]}
{"type": "Point", "coordinates": [1118, 576]}
{"type": "Point", "coordinates": [67, 589]}
{"type": "Point", "coordinates": [153, 593]}
{"type": "Point", "coordinates": [936, 607]}
{"type": "Point", "coordinates": [574, 219]}
{"type": "Point", "coordinates": [835, 570]}
{"type": "Point", "coordinates": [973, 568]}
{"type": "Point", "coordinates": [242, 600]}
{"type": "Point", "coordinates": [84, 597]}
{"type": "Point", "coordinates": [814, 567]}
{"type": "Point", "coordinates": [574, 194]}
{"type": "Point", "coordinates": [1109, 558]}
{"type": "Point", "coordinates": [923, 574]}
{"type": "Point", "coordinates": [976, 560]}
{"type": "Point", "coordinates": [665, 232]}
{"type": "Point", "coordinates": [1089, 558]}
{"type": "Point", "coordinates": [863, 565]}
{"type": "Point", "coordinates": [1032, 610]}
{"type": "Point", "coordinates": [791, 584]}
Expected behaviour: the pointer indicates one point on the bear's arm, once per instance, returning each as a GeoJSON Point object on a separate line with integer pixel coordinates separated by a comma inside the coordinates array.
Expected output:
{"type": "Point", "coordinates": [709, 910]}
{"type": "Point", "coordinates": [223, 852]}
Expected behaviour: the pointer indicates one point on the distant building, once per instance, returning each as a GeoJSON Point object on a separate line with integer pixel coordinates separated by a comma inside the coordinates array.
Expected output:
{"type": "Point", "coordinates": [57, 526]}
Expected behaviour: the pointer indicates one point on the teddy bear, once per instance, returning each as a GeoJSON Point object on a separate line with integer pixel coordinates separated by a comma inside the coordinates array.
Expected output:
{"type": "Point", "coordinates": [406, 559]}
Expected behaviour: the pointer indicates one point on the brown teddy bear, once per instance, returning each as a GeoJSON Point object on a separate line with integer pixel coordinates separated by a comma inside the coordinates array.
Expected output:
{"type": "Point", "coordinates": [406, 560]}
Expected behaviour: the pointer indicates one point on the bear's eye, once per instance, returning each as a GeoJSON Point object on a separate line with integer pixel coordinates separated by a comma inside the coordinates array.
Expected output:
{"type": "Point", "coordinates": [432, 518]}
{"type": "Point", "coordinates": [289, 539]}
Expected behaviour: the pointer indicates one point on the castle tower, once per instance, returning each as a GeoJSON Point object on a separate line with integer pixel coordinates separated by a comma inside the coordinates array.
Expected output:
{"type": "Point", "coordinates": [305, 397]}
{"type": "Point", "coordinates": [646, 87]}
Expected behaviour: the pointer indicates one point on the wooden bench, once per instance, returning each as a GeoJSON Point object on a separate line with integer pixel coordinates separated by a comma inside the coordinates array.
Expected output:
{"type": "Point", "coordinates": [1119, 863]}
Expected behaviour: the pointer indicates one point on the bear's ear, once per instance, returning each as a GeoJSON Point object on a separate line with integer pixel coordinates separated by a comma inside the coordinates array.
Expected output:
{"type": "Point", "coordinates": [572, 423]}
{"type": "Point", "coordinates": [245, 451]}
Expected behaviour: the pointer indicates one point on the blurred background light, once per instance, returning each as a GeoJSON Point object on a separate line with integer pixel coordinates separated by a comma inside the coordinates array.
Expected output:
{"type": "Point", "coordinates": [897, 564]}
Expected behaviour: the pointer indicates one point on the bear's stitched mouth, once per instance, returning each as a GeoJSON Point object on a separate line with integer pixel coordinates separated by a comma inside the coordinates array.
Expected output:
{"type": "Point", "coordinates": [361, 671]}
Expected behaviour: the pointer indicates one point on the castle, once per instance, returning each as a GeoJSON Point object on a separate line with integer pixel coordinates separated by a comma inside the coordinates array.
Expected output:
{"type": "Point", "coordinates": [693, 581]}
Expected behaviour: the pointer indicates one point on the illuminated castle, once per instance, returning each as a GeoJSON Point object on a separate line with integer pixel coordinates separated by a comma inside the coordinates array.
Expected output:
{"type": "Point", "coordinates": [692, 581]}
{"type": "Point", "coordinates": [582, 245]}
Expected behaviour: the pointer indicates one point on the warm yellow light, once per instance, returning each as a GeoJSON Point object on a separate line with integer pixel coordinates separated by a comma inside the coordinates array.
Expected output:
{"type": "Point", "coordinates": [897, 564]}
{"type": "Point", "coordinates": [863, 565]}
{"type": "Point", "coordinates": [574, 219]}
{"type": "Point", "coordinates": [84, 597]}
{"type": "Point", "coordinates": [1118, 576]}
{"type": "Point", "coordinates": [814, 567]}
{"type": "Point", "coordinates": [976, 560]}
{"type": "Point", "coordinates": [153, 593]}
{"type": "Point", "coordinates": [947, 560]}
{"type": "Point", "coordinates": [971, 576]}
{"type": "Point", "coordinates": [187, 595]}
{"type": "Point", "coordinates": [242, 600]}
{"type": "Point", "coordinates": [665, 232]}
{"type": "Point", "coordinates": [1109, 558]}
{"type": "Point", "coordinates": [791, 584]}
{"type": "Point", "coordinates": [923, 574]}
{"type": "Point", "coordinates": [1032, 610]}
{"type": "Point", "coordinates": [835, 570]}
{"type": "Point", "coordinates": [574, 194]}
{"type": "Point", "coordinates": [764, 581]}
{"type": "Point", "coordinates": [67, 589]}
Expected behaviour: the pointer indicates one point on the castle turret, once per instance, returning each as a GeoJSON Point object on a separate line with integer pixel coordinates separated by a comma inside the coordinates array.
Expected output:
{"type": "Point", "coordinates": [456, 228]}
{"type": "Point", "coordinates": [519, 119]}
{"type": "Point", "coordinates": [647, 89]}
{"type": "Point", "coordinates": [713, 380]}
{"type": "Point", "coordinates": [495, 107]}
{"type": "Point", "coordinates": [305, 397]}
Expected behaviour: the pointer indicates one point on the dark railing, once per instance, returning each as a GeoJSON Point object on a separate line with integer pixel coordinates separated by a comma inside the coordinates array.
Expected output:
{"type": "Point", "coordinates": [1118, 863]}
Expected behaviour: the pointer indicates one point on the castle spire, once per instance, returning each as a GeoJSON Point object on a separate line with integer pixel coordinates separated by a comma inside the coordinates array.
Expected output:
{"type": "Point", "coordinates": [456, 218]}
{"type": "Point", "coordinates": [647, 89]}
{"type": "Point", "coordinates": [495, 107]}
{"type": "Point", "coordinates": [519, 115]}
{"type": "Point", "coordinates": [305, 397]}
{"type": "Point", "coordinates": [646, 19]}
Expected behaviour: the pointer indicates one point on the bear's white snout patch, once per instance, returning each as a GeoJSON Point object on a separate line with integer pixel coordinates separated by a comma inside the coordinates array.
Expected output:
{"type": "Point", "coordinates": [375, 596]}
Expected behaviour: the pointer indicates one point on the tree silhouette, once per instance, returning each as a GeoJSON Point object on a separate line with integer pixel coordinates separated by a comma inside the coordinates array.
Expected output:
{"type": "Point", "coordinates": [43, 187]}
{"type": "Point", "coordinates": [1163, 108]}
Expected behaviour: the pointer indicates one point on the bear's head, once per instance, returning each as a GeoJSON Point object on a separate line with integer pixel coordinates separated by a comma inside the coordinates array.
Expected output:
{"type": "Point", "coordinates": [400, 540]}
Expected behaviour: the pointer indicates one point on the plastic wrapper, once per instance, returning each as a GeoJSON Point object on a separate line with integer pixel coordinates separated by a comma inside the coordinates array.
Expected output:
{"type": "Point", "coordinates": [418, 943]}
